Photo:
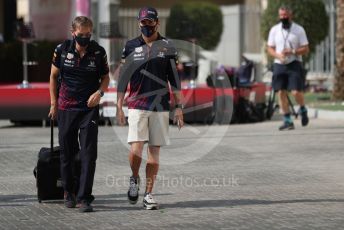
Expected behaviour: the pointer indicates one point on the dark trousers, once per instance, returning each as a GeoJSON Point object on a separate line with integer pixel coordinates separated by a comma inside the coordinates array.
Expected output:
{"type": "Point", "coordinates": [78, 130]}
{"type": "Point", "coordinates": [288, 77]}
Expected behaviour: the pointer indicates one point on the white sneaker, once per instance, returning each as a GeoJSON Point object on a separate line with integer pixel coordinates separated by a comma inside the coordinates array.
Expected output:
{"type": "Point", "coordinates": [149, 203]}
{"type": "Point", "coordinates": [133, 192]}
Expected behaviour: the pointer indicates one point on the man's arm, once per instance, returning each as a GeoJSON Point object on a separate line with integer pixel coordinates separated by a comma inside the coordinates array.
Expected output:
{"type": "Point", "coordinates": [121, 89]}
{"type": "Point", "coordinates": [104, 82]}
{"type": "Point", "coordinates": [105, 79]}
{"type": "Point", "coordinates": [177, 97]}
{"type": "Point", "coordinates": [175, 83]}
{"type": "Point", "coordinates": [178, 113]}
{"type": "Point", "coordinates": [54, 73]}
{"type": "Point", "coordinates": [302, 50]}
{"type": "Point", "coordinates": [272, 52]}
{"type": "Point", "coordinates": [94, 99]}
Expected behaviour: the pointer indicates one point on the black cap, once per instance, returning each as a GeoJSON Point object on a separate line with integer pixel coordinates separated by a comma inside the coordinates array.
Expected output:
{"type": "Point", "coordinates": [147, 13]}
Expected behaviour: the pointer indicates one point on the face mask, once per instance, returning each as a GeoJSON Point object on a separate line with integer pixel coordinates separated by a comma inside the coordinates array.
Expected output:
{"type": "Point", "coordinates": [147, 30]}
{"type": "Point", "coordinates": [285, 23]}
{"type": "Point", "coordinates": [82, 41]}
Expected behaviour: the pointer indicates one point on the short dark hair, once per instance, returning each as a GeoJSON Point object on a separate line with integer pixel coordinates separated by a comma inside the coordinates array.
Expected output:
{"type": "Point", "coordinates": [81, 21]}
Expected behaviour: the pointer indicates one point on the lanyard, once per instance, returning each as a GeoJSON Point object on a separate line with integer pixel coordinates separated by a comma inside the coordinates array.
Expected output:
{"type": "Point", "coordinates": [285, 38]}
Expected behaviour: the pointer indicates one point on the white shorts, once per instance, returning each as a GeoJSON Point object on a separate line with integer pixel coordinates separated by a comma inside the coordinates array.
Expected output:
{"type": "Point", "coordinates": [148, 126]}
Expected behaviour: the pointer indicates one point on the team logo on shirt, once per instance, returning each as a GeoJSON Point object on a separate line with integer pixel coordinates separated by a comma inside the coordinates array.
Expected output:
{"type": "Point", "coordinates": [92, 64]}
{"type": "Point", "coordinates": [70, 56]}
{"type": "Point", "coordinates": [161, 54]}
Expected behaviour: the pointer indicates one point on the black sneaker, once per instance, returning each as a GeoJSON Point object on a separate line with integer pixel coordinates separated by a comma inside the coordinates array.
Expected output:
{"type": "Point", "coordinates": [149, 203]}
{"type": "Point", "coordinates": [69, 200]}
{"type": "Point", "coordinates": [85, 206]}
{"type": "Point", "coordinates": [133, 192]}
{"type": "Point", "coordinates": [304, 118]}
{"type": "Point", "coordinates": [287, 126]}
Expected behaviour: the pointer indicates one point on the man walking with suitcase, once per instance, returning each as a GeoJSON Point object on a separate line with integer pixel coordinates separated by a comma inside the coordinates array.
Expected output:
{"type": "Point", "coordinates": [83, 70]}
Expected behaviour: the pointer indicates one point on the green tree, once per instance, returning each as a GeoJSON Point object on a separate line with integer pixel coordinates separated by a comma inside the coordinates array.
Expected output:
{"type": "Point", "coordinates": [201, 21]}
{"type": "Point", "coordinates": [311, 14]}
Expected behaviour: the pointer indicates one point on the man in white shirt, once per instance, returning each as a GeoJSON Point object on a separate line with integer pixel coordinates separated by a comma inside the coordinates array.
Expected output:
{"type": "Point", "coordinates": [287, 43]}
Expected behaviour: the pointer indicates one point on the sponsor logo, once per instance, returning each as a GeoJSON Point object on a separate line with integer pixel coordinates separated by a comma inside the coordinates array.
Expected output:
{"type": "Point", "coordinates": [139, 59]}
{"type": "Point", "coordinates": [139, 55]}
{"type": "Point", "coordinates": [69, 63]}
{"type": "Point", "coordinates": [138, 49]}
{"type": "Point", "coordinates": [70, 56]}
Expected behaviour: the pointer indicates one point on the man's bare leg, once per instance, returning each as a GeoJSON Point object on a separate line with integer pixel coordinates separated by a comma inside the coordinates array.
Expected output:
{"type": "Point", "coordinates": [152, 167]}
{"type": "Point", "coordinates": [135, 158]}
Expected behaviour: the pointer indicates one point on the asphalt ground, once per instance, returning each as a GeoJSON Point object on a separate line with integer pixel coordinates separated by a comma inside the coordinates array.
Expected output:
{"type": "Point", "coordinates": [212, 177]}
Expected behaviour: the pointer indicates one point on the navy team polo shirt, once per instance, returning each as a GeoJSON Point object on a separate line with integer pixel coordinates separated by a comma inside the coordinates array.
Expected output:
{"type": "Point", "coordinates": [151, 72]}
{"type": "Point", "coordinates": [80, 76]}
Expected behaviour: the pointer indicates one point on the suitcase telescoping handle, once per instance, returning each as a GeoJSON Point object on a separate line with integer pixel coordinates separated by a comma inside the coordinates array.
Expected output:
{"type": "Point", "coordinates": [51, 135]}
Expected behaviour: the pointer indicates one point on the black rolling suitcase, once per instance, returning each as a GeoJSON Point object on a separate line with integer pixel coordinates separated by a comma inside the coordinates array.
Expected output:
{"type": "Point", "coordinates": [47, 172]}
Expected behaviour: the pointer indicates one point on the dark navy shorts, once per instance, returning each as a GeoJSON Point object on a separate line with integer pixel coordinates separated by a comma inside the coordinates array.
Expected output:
{"type": "Point", "coordinates": [288, 77]}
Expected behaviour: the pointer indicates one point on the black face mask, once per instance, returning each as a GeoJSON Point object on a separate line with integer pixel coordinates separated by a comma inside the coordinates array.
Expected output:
{"type": "Point", "coordinates": [147, 30]}
{"type": "Point", "coordinates": [285, 23]}
{"type": "Point", "coordinates": [82, 41]}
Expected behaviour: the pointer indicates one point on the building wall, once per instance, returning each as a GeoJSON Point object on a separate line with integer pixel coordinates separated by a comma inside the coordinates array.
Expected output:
{"type": "Point", "coordinates": [229, 49]}
{"type": "Point", "coordinates": [251, 17]}
{"type": "Point", "coordinates": [51, 19]}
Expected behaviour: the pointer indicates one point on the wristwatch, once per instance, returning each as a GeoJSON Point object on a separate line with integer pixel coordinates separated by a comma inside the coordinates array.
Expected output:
{"type": "Point", "coordinates": [101, 93]}
{"type": "Point", "coordinates": [294, 51]}
{"type": "Point", "coordinates": [179, 106]}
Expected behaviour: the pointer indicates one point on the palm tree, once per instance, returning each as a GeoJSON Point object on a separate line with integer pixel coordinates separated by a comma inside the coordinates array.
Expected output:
{"type": "Point", "coordinates": [338, 91]}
